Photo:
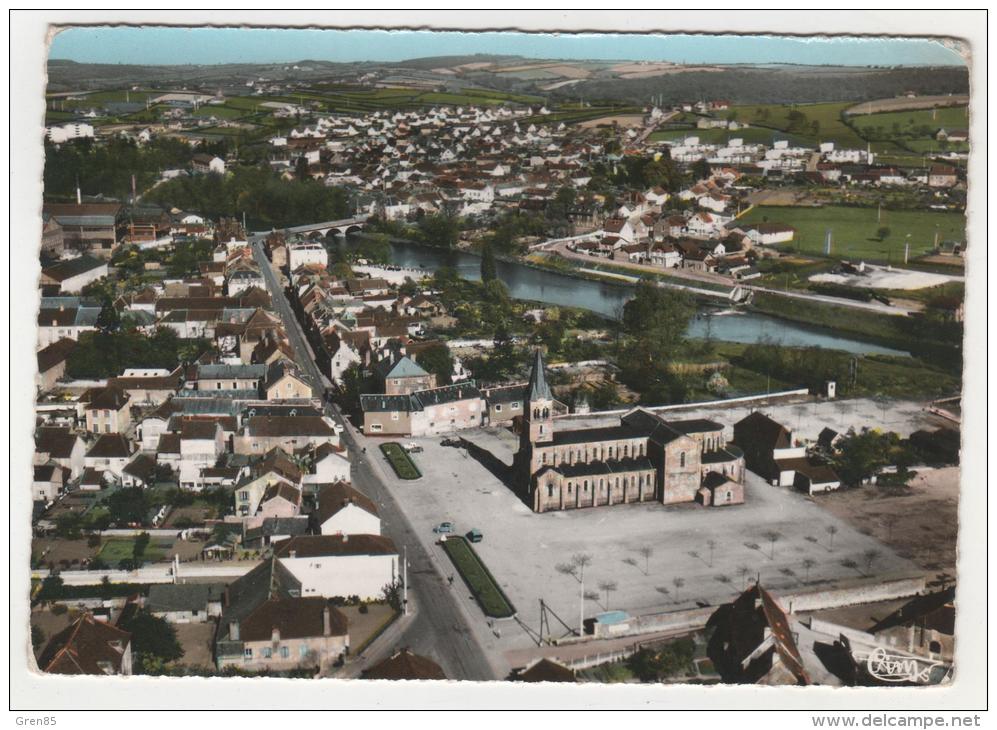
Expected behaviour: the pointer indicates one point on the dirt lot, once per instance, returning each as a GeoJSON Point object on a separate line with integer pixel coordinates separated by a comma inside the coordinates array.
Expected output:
{"type": "Point", "coordinates": [53, 550]}
{"type": "Point", "coordinates": [624, 120]}
{"type": "Point", "coordinates": [904, 103]}
{"type": "Point", "coordinates": [921, 524]}
{"type": "Point", "coordinates": [197, 514]}
{"type": "Point", "coordinates": [196, 642]}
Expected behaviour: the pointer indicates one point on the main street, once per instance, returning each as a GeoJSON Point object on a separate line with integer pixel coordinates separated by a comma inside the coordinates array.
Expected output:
{"type": "Point", "coordinates": [440, 627]}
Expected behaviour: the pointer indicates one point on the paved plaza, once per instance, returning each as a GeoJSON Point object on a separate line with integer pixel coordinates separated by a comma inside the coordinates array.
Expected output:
{"type": "Point", "coordinates": [698, 556]}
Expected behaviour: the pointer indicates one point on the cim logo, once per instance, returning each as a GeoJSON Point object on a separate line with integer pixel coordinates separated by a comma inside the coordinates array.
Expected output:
{"type": "Point", "coordinates": [888, 667]}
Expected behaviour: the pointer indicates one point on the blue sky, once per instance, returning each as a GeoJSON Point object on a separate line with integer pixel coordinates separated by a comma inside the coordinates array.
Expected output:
{"type": "Point", "coordinates": [162, 45]}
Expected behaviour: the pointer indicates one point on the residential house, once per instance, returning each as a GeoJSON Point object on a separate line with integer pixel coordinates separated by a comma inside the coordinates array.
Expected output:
{"type": "Point", "coordinates": [752, 642]}
{"type": "Point", "coordinates": [216, 377]}
{"type": "Point", "coordinates": [405, 665]}
{"type": "Point", "coordinates": [108, 411]}
{"type": "Point", "coordinates": [275, 468]}
{"type": "Point", "coordinates": [402, 376]}
{"type": "Point", "coordinates": [185, 603]}
{"type": "Point", "coordinates": [268, 625]}
{"type": "Point", "coordinates": [201, 443]}
{"type": "Point", "coordinates": [284, 381]}
{"type": "Point", "coordinates": [329, 464]}
{"type": "Point", "coordinates": [88, 646]}
{"type": "Point", "coordinates": [48, 482]}
{"type": "Point", "coordinates": [61, 446]}
{"type": "Point", "coordinates": [72, 275]}
{"type": "Point", "coordinates": [203, 164]}
{"type": "Point", "coordinates": [344, 510]}
{"type": "Point", "coordinates": [52, 363]}
{"type": "Point", "coordinates": [426, 412]}
{"type": "Point", "coordinates": [109, 453]}
{"type": "Point", "coordinates": [65, 317]}
{"type": "Point", "coordinates": [262, 433]}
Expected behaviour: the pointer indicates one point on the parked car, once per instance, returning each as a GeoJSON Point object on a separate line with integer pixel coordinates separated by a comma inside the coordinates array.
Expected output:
{"type": "Point", "coordinates": [413, 448]}
{"type": "Point", "coordinates": [474, 535]}
{"type": "Point", "coordinates": [444, 528]}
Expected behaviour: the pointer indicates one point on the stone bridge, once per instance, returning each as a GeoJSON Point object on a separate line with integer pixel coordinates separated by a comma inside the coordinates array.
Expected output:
{"type": "Point", "coordinates": [339, 228]}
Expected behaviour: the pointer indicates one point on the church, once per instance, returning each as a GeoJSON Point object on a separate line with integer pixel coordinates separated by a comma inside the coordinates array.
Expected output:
{"type": "Point", "coordinates": [644, 459]}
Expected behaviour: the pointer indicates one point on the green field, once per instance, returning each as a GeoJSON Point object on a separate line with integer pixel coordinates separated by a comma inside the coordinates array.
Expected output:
{"type": "Point", "coordinates": [478, 578]}
{"type": "Point", "coordinates": [827, 116]}
{"type": "Point", "coordinates": [854, 230]}
{"type": "Point", "coordinates": [914, 129]}
{"type": "Point", "coordinates": [400, 461]}
{"type": "Point", "coordinates": [116, 549]}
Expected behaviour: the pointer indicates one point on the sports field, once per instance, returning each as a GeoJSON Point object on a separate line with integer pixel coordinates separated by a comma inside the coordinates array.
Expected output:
{"type": "Point", "coordinates": [854, 231]}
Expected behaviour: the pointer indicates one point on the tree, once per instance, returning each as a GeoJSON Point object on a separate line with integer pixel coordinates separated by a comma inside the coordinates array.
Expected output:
{"type": "Point", "coordinates": [678, 583]}
{"type": "Point", "coordinates": [773, 537]}
{"type": "Point", "coordinates": [646, 552]}
{"type": "Point", "coordinates": [152, 637]}
{"type": "Point", "coordinates": [607, 587]}
{"type": "Point", "coordinates": [700, 169]}
{"type": "Point", "coordinates": [882, 233]}
{"type": "Point", "coordinates": [139, 546]}
{"type": "Point", "coordinates": [438, 360]}
{"type": "Point", "coordinates": [128, 506]}
{"type": "Point", "coordinates": [831, 530]}
{"type": "Point", "coordinates": [870, 556]}
{"type": "Point", "coordinates": [712, 545]}
{"type": "Point", "coordinates": [488, 272]}
{"type": "Point", "coordinates": [808, 565]}
{"type": "Point", "coordinates": [52, 588]}
{"type": "Point", "coordinates": [439, 230]}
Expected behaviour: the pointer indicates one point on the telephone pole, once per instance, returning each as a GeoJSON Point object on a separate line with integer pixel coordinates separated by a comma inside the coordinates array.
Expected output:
{"type": "Point", "coordinates": [405, 580]}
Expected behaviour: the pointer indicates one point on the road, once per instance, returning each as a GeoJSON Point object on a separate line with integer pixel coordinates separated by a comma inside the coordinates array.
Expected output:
{"type": "Point", "coordinates": [871, 306]}
{"type": "Point", "coordinates": [439, 628]}
{"type": "Point", "coordinates": [303, 354]}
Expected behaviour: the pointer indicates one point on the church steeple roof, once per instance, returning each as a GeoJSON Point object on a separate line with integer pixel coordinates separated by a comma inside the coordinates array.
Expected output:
{"type": "Point", "coordinates": [539, 390]}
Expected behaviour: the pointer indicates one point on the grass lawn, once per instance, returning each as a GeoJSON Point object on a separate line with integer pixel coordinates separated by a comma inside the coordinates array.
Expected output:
{"type": "Point", "coordinates": [400, 461]}
{"type": "Point", "coordinates": [952, 117]}
{"type": "Point", "coordinates": [877, 375]}
{"type": "Point", "coordinates": [854, 230]}
{"type": "Point", "coordinates": [478, 578]}
{"type": "Point", "coordinates": [116, 549]}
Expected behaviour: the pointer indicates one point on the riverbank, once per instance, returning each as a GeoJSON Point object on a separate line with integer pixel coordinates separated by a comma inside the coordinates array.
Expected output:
{"type": "Point", "coordinates": [559, 283]}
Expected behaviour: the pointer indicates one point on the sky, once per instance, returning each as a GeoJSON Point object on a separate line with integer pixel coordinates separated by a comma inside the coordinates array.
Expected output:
{"type": "Point", "coordinates": [164, 45]}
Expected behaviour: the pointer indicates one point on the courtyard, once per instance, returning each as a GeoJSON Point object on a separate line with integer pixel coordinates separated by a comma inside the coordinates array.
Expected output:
{"type": "Point", "coordinates": [645, 558]}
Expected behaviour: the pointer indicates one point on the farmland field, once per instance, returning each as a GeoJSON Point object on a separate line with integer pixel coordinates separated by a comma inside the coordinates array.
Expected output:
{"type": "Point", "coordinates": [854, 230]}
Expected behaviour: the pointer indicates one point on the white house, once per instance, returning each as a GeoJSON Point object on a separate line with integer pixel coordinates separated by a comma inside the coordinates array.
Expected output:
{"type": "Point", "coordinates": [201, 443]}
{"type": "Point", "coordinates": [343, 510]}
{"type": "Point", "coordinates": [340, 565]}
{"type": "Point", "coordinates": [330, 464]}
{"type": "Point", "coordinates": [73, 275]}
{"type": "Point", "coordinates": [62, 133]}
{"type": "Point", "coordinates": [306, 253]}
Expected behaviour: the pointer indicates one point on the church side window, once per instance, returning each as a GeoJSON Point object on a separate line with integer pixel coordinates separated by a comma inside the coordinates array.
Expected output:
{"type": "Point", "coordinates": [682, 460]}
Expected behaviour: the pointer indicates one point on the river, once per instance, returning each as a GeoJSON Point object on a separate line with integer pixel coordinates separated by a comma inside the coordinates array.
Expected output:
{"type": "Point", "coordinates": [605, 298]}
